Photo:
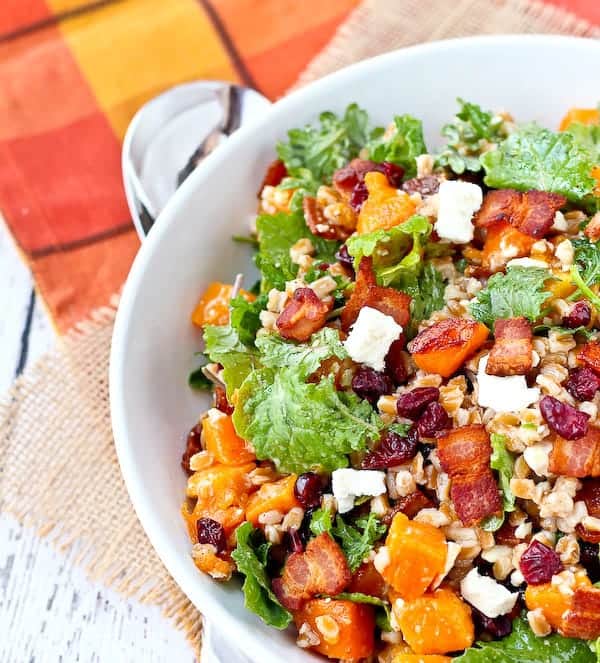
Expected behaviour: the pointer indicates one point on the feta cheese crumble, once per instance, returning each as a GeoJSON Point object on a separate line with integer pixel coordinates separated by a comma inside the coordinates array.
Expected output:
{"type": "Point", "coordinates": [349, 484]}
{"type": "Point", "coordinates": [487, 595]}
{"type": "Point", "coordinates": [371, 336]}
{"type": "Point", "coordinates": [458, 201]}
{"type": "Point", "coordinates": [508, 394]}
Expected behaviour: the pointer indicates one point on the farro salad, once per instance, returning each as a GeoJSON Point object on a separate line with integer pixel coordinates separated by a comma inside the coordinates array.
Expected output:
{"type": "Point", "coordinates": [403, 456]}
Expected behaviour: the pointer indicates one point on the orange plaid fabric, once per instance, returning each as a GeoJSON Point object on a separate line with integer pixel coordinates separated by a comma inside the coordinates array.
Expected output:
{"type": "Point", "coordinates": [74, 72]}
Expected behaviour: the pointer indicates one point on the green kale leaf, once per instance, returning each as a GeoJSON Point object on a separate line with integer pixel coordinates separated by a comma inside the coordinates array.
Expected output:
{"type": "Point", "coordinates": [355, 540]}
{"type": "Point", "coordinates": [537, 158]}
{"type": "Point", "coordinates": [250, 557]}
{"type": "Point", "coordinates": [277, 233]}
{"type": "Point", "coordinates": [302, 426]}
{"type": "Point", "coordinates": [223, 346]}
{"type": "Point", "coordinates": [402, 147]}
{"type": "Point", "coordinates": [198, 381]}
{"type": "Point", "coordinates": [325, 148]}
{"type": "Point", "coordinates": [587, 135]}
{"type": "Point", "coordinates": [472, 131]}
{"type": "Point", "coordinates": [585, 271]}
{"type": "Point", "coordinates": [519, 292]}
{"type": "Point", "coordinates": [523, 646]}
{"type": "Point", "coordinates": [245, 317]}
{"type": "Point", "coordinates": [503, 462]}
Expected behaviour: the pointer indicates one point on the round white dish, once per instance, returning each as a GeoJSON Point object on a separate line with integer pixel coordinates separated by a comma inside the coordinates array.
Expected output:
{"type": "Point", "coordinates": [534, 77]}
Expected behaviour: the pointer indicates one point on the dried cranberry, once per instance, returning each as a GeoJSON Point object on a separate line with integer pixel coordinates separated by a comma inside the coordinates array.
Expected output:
{"type": "Point", "coordinates": [394, 173]}
{"type": "Point", "coordinates": [193, 446]}
{"type": "Point", "coordinates": [370, 384]}
{"type": "Point", "coordinates": [359, 194]}
{"type": "Point", "coordinates": [412, 404]}
{"type": "Point", "coordinates": [344, 257]}
{"type": "Point", "coordinates": [294, 541]}
{"type": "Point", "coordinates": [221, 402]}
{"type": "Point", "coordinates": [308, 489]}
{"type": "Point", "coordinates": [563, 418]}
{"type": "Point", "coordinates": [497, 627]}
{"type": "Point", "coordinates": [434, 420]}
{"type": "Point", "coordinates": [395, 363]}
{"type": "Point", "coordinates": [323, 266]}
{"type": "Point", "coordinates": [392, 450]}
{"type": "Point", "coordinates": [583, 383]}
{"type": "Point", "coordinates": [588, 558]}
{"type": "Point", "coordinates": [211, 531]}
{"type": "Point", "coordinates": [539, 563]}
{"type": "Point", "coordinates": [426, 185]}
{"type": "Point", "coordinates": [579, 316]}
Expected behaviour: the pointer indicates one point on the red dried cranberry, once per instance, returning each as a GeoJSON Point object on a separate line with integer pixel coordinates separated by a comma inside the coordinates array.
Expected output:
{"type": "Point", "coordinates": [211, 531]}
{"type": "Point", "coordinates": [539, 563]}
{"type": "Point", "coordinates": [344, 257]}
{"type": "Point", "coordinates": [294, 541]}
{"type": "Point", "coordinates": [394, 173]}
{"type": "Point", "coordinates": [221, 402]}
{"type": "Point", "coordinates": [392, 450]}
{"type": "Point", "coordinates": [579, 316]}
{"type": "Point", "coordinates": [193, 446]}
{"type": "Point", "coordinates": [589, 559]}
{"type": "Point", "coordinates": [370, 384]}
{"type": "Point", "coordinates": [563, 418]}
{"type": "Point", "coordinates": [583, 383]}
{"type": "Point", "coordinates": [308, 489]}
{"type": "Point", "coordinates": [434, 420]}
{"type": "Point", "coordinates": [497, 627]}
{"type": "Point", "coordinates": [323, 266]}
{"type": "Point", "coordinates": [395, 363]}
{"type": "Point", "coordinates": [413, 403]}
{"type": "Point", "coordinates": [359, 194]}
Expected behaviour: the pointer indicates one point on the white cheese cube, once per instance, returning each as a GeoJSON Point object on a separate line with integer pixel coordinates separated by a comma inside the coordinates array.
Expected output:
{"type": "Point", "coordinates": [508, 394]}
{"type": "Point", "coordinates": [458, 201]}
{"type": "Point", "coordinates": [487, 595]}
{"type": "Point", "coordinates": [348, 484]}
{"type": "Point", "coordinates": [371, 336]}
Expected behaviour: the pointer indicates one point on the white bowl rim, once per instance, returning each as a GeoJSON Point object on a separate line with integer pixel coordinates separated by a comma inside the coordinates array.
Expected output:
{"type": "Point", "coordinates": [172, 561]}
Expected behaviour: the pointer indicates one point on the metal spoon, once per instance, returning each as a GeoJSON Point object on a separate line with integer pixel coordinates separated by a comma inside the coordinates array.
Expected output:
{"type": "Point", "coordinates": [171, 134]}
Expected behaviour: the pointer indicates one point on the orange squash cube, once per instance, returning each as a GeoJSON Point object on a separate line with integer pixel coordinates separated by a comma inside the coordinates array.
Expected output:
{"type": "Point", "coordinates": [580, 116]}
{"type": "Point", "coordinates": [420, 658]}
{"type": "Point", "coordinates": [221, 440]}
{"type": "Point", "coordinates": [346, 630]}
{"type": "Point", "coordinates": [436, 623]}
{"type": "Point", "coordinates": [417, 554]}
{"type": "Point", "coordinates": [385, 207]}
{"type": "Point", "coordinates": [552, 602]}
{"type": "Point", "coordinates": [213, 307]}
{"type": "Point", "coordinates": [273, 496]}
{"type": "Point", "coordinates": [502, 243]}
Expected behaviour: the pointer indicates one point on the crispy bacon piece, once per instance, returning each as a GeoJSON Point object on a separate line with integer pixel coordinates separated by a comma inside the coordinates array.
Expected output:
{"type": "Point", "coordinates": [576, 458]}
{"type": "Point", "coordinates": [323, 227]}
{"type": "Point", "coordinates": [303, 315]}
{"type": "Point", "coordinates": [590, 356]}
{"type": "Point", "coordinates": [592, 230]}
{"type": "Point", "coordinates": [590, 494]}
{"type": "Point", "coordinates": [511, 352]}
{"type": "Point", "coordinates": [531, 212]}
{"type": "Point", "coordinates": [506, 536]}
{"type": "Point", "coordinates": [276, 171]}
{"type": "Point", "coordinates": [409, 506]}
{"type": "Point", "coordinates": [582, 620]}
{"type": "Point", "coordinates": [464, 454]}
{"type": "Point", "coordinates": [321, 569]}
{"type": "Point", "coordinates": [368, 293]}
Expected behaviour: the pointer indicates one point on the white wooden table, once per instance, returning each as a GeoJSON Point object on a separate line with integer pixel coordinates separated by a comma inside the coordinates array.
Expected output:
{"type": "Point", "coordinates": [49, 611]}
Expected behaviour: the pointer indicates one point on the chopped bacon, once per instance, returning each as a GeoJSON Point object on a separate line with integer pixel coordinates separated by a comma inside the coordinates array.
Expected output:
{"type": "Point", "coordinates": [592, 230]}
{"type": "Point", "coordinates": [576, 458]}
{"type": "Point", "coordinates": [591, 536]}
{"type": "Point", "coordinates": [367, 293]}
{"type": "Point", "coordinates": [321, 569]}
{"type": "Point", "coordinates": [276, 171]}
{"type": "Point", "coordinates": [506, 536]}
{"type": "Point", "coordinates": [512, 350]}
{"type": "Point", "coordinates": [464, 454]}
{"type": "Point", "coordinates": [409, 505]}
{"type": "Point", "coordinates": [531, 212]}
{"type": "Point", "coordinates": [590, 356]}
{"type": "Point", "coordinates": [221, 402]}
{"type": "Point", "coordinates": [582, 620]}
{"type": "Point", "coordinates": [590, 494]}
{"type": "Point", "coordinates": [321, 226]}
{"type": "Point", "coordinates": [303, 315]}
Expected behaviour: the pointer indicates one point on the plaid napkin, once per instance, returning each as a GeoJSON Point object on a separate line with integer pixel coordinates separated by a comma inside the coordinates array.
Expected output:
{"type": "Point", "coordinates": [72, 75]}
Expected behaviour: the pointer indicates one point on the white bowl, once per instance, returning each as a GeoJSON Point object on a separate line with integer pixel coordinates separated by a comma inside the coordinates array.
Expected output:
{"type": "Point", "coordinates": [534, 77]}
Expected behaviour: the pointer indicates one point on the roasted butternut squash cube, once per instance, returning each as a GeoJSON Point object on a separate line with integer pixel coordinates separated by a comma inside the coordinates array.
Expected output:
{"type": "Point", "coordinates": [385, 207]}
{"type": "Point", "coordinates": [273, 496]}
{"type": "Point", "coordinates": [221, 440]}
